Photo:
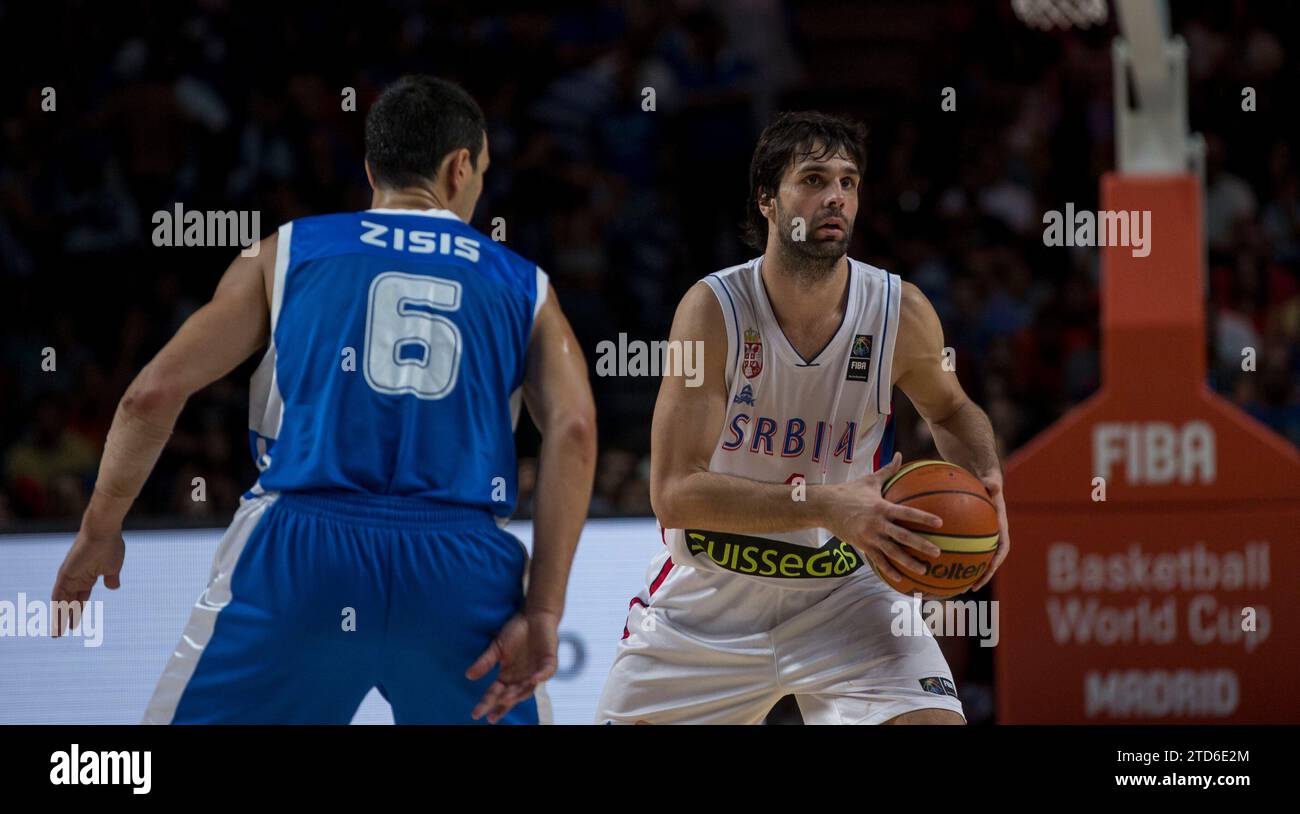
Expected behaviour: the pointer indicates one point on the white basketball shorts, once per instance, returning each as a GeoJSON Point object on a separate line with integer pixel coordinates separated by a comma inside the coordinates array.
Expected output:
{"type": "Point", "coordinates": [713, 647]}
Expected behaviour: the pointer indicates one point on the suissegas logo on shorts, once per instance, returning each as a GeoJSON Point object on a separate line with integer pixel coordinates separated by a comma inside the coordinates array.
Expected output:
{"type": "Point", "coordinates": [761, 557]}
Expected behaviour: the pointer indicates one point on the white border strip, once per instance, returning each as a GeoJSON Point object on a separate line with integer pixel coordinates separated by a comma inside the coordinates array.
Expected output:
{"type": "Point", "coordinates": [282, 246]}
{"type": "Point", "coordinates": [198, 631]}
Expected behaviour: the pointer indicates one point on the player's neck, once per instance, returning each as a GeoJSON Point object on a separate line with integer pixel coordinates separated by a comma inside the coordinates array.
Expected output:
{"type": "Point", "coordinates": [785, 277]}
{"type": "Point", "coordinates": [802, 299]}
{"type": "Point", "coordinates": [408, 198]}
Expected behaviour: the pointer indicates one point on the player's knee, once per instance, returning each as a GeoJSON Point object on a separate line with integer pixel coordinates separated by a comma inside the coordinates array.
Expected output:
{"type": "Point", "coordinates": [930, 717]}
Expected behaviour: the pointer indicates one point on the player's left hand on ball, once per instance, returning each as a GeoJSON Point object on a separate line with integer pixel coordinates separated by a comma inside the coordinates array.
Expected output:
{"type": "Point", "coordinates": [993, 483]}
{"type": "Point", "coordinates": [526, 651]}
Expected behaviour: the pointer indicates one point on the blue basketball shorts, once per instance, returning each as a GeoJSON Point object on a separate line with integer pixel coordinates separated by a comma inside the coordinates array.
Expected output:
{"type": "Point", "coordinates": [314, 599]}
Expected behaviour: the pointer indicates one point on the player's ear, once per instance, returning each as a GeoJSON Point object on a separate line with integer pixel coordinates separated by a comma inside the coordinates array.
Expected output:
{"type": "Point", "coordinates": [765, 204]}
{"type": "Point", "coordinates": [370, 176]}
{"type": "Point", "coordinates": [458, 169]}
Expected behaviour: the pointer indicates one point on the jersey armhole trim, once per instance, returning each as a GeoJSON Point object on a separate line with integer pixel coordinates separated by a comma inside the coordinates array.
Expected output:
{"type": "Point", "coordinates": [719, 288]}
{"type": "Point", "coordinates": [889, 339]}
{"type": "Point", "coordinates": [283, 246]}
{"type": "Point", "coordinates": [541, 286]}
{"type": "Point", "coordinates": [543, 283]}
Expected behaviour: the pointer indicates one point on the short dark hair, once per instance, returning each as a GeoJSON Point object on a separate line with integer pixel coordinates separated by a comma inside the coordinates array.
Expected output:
{"type": "Point", "coordinates": [789, 139]}
{"type": "Point", "coordinates": [414, 124]}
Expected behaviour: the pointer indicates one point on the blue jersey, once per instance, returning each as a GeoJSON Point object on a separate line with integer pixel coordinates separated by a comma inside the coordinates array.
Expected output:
{"type": "Point", "coordinates": [396, 360]}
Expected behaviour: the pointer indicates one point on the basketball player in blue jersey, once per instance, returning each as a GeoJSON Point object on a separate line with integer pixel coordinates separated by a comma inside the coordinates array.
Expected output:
{"type": "Point", "coordinates": [399, 343]}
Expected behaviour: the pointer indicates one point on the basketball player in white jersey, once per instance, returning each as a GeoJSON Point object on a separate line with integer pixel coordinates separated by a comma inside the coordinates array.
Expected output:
{"type": "Point", "coordinates": [766, 478]}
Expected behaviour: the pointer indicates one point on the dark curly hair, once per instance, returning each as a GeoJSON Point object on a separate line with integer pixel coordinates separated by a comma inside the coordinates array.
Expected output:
{"type": "Point", "coordinates": [793, 137]}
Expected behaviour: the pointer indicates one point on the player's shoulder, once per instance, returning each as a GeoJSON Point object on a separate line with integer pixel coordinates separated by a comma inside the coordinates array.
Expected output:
{"type": "Point", "coordinates": [874, 275]}
{"type": "Point", "coordinates": [313, 236]}
{"type": "Point", "coordinates": [913, 302]}
{"type": "Point", "coordinates": [324, 223]}
{"type": "Point", "coordinates": [717, 300]}
{"type": "Point", "coordinates": [917, 319]}
{"type": "Point", "coordinates": [721, 289]}
{"type": "Point", "coordinates": [512, 269]}
{"type": "Point", "coordinates": [508, 258]}
{"type": "Point", "coordinates": [731, 288]}
{"type": "Point", "coordinates": [732, 276]}
{"type": "Point", "coordinates": [883, 284]}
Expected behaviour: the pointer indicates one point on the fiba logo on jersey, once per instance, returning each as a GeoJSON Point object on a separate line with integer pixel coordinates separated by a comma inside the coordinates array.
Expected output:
{"type": "Point", "coordinates": [753, 363]}
{"type": "Point", "coordinates": [859, 359]}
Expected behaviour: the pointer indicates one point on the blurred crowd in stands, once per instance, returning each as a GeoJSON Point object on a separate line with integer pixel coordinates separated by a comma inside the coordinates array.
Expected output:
{"type": "Point", "coordinates": [222, 104]}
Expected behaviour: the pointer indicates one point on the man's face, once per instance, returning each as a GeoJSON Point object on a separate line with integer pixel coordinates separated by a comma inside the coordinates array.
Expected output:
{"type": "Point", "coordinates": [823, 191]}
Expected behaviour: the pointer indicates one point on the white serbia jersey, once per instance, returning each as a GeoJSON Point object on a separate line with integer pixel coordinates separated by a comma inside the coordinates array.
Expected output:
{"type": "Point", "coordinates": [827, 419]}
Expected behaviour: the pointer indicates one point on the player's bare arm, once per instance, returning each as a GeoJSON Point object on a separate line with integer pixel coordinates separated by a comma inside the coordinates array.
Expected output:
{"type": "Point", "coordinates": [559, 399]}
{"type": "Point", "coordinates": [962, 432]}
{"type": "Point", "coordinates": [687, 421]}
{"type": "Point", "coordinates": [211, 343]}
{"type": "Point", "coordinates": [685, 430]}
{"type": "Point", "coordinates": [558, 396]}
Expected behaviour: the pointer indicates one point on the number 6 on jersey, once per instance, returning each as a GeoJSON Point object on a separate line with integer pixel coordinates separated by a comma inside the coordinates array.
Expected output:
{"type": "Point", "coordinates": [410, 348]}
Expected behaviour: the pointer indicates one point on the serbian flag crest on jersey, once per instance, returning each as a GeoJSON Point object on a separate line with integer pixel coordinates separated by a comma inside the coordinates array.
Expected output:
{"type": "Point", "coordinates": [752, 364]}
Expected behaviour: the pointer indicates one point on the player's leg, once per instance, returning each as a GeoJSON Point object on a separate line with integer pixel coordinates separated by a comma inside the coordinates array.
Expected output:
{"type": "Point", "coordinates": [928, 717]}
{"type": "Point", "coordinates": [849, 706]}
{"type": "Point", "coordinates": [667, 677]}
{"type": "Point", "coordinates": [287, 630]}
{"type": "Point", "coordinates": [669, 669]}
{"type": "Point", "coordinates": [845, 665]}
{"type": "Point", "coordinates": [452, 591]}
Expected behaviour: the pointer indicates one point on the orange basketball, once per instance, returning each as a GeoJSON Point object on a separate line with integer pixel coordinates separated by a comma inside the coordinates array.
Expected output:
{"type": "Point", "coordinates": [968, 537]}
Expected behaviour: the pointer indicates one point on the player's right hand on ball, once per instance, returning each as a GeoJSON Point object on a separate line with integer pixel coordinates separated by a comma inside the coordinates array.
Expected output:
{"type": "Point", "coordinates": [860, 516]}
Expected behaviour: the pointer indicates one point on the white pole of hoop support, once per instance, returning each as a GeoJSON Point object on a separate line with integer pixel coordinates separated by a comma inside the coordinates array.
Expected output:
{"type": "Point", "coordinates": [1151, 128]}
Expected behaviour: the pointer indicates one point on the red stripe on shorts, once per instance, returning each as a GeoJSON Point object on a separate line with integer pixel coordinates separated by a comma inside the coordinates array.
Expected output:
{"type": "Point", "coordinates": [654, 586]}
{"type": "Point", "coordinates": [636, 600]}
{"type": "Point", "coordinates": [663, 574]}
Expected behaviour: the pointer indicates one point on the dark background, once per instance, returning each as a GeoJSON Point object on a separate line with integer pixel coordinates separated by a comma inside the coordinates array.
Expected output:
{"type": "Point", "coordinates": [237, 105]}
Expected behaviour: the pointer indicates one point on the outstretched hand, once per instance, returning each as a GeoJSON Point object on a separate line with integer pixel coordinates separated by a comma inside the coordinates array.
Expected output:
{"type": "Point", "coordinates": [95, 553]}
{"type": "Point", "coordinates": [525, 648]}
